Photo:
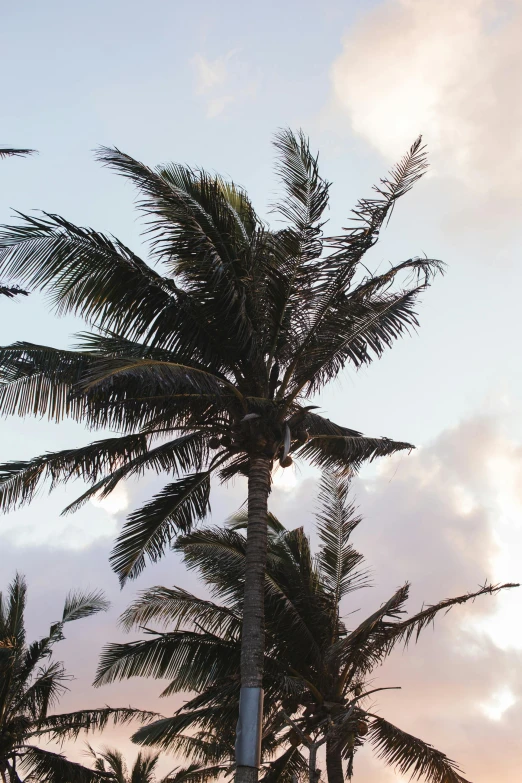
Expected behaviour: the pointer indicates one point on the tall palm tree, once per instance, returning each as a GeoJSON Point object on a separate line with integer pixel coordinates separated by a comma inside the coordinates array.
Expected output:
{"type": "Point", "coordinates": [10, 152]}
{"type": "Point", "coordinates": [111, 761]}
{"type": "Point", "coordinates": [31, 683]}
{"type": "Point", "coordinates": [206, 367]}
{"type": "Point", "coordinates": [318, 670]}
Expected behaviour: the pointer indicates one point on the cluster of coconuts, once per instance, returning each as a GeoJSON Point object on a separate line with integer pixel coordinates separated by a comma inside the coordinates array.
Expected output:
{"type": "Point", "coordinates": [250, 438]}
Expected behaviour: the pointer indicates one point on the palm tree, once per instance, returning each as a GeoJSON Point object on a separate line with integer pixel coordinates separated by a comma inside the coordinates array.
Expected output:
{"type": "Point", "coordinates": [318, 671]}
{"type": "Point", "coordinates": [10, 152]}
{"type": "Point", "coordinates": [111, 761]}
{"type": "Point", "coordinates": [206, 367]}
{"type": "Point", "coordinates": [31, 683]}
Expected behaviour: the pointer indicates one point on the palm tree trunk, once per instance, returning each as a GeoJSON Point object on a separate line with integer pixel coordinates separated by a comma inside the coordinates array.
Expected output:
{"type": "Point", "coordinates": [334, 762]}
{"type": "Point", "coordinates": [248, 740]}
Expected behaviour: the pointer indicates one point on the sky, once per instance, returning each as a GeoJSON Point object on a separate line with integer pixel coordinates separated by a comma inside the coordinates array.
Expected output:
{"type": "Point", "coordinates": [208, 84]}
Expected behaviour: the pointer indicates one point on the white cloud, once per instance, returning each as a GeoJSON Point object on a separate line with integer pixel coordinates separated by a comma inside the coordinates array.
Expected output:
{"type": "Point", "coordinates": [117, 501]}
{"type": "Point", "coordinates": [222, 81]}
{"type": "Point", "coordinates": [499, 702]}
{"type": "Point", "coordinates": [450, 70]}
{"type": "Point", "coordinates": [210, 73]}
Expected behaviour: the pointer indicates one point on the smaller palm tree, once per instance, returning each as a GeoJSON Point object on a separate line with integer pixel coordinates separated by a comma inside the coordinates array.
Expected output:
{"type": "Point", "coordinates": [31, 682]}
{"type": "Point", "coordinates": [111, 761]}
{"type": "Point", "coordinates": [318, 669]}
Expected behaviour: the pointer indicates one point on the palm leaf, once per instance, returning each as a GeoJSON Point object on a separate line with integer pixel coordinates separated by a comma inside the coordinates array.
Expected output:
{"type": "Point", "coordinates": [413, 626]}
{"type": "Point", "coordinates": [353, 647]}
{"type": "Point", "coordinates": [175, 456]}
{"type": "Point", "coordinates": [38, 380]}
{"type": "Point", "coordinates": [336, 520]}
{"type": "Point", "coordinates": [198, 232]}
{"type": "Point", "coordinates": [44, 691]}
{"type": "Point", "coordinates": [19, 481]}
{"type": "Point", "coordinates": [340, 267]}
{"type": "Point", "coordinates": [190, 660]}
{"type": "Point", "coordinates": [149, 530]}
{"type": "Point", "coordinates": [69, 725]}
{"type": "Point", "coordinates": [88, 274]}
{"type": "Point", "coordinates": [12, 291]}
{"type": "Point", "coordinates": [47, 767]}
{"type": "Point", "coordinates": [175, 607]}
{"type": "Point", "coordinates": [346, 453]}
{"type": "Point", "coordinates": [143, 768]}
{"type": "Point", "coordinates": [408, 754]}
{"type": "Point", "coordinates": [197, 773]}
{"type": "Point", "coordinates": [7, 152]}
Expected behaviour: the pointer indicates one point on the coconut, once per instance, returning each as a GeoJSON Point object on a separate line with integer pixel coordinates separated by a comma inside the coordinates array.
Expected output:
{"type": "Point", "coordinates": [214, 442]}
{"type": "Point", "coordinates": [286, 462]}
{"type": "Point", "coordinates": [226, 440]}
{"type": "Point", "coordinates": [362, 728]}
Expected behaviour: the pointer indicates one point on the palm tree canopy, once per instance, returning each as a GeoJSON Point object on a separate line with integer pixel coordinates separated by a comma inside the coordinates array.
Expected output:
{"type": "Point", "coordinates": [31, 683]}
{"type": "Point", "coordinates": [318, 668]}
{"type": "Point", "coordinates": [211, 358]}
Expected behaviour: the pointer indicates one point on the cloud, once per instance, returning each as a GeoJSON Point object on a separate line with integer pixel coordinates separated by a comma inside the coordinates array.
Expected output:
{"type": "Point", "coordinates": [222, 81]}
{"type": "Point", "coordinates": [450, 70]}
{"type": "Point", "coordinates": [446, 518]}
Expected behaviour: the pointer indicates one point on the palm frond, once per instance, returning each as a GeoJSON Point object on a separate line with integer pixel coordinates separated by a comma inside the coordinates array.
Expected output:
{"type": "Point", "coordinates": [352, 648]}
{"type": "Point", "coordinates": [111, 758]}
{"type": "Point", "coordinates": [369, 214]}
{"type": "Point", "coordinates": [336, 520]}
{"type": "Point", "coordinates": [174, 607]}
{"type": "Point", "coordinates": [44, 691]}
{"type": "Point", "coordinates": [410, 755]}
{"type": "Point", "coordinates": [340, 268]}
{"type": "Point", "coordinates": [413, 626]}
{"type": "Point", "coordinates": [188, 452]}
{"type": "Point", "coordinates": [287, 768]}
{"type": "Point", "coordinates": [11, 152]}
{"type": "Point", "coordinates": [184, 733]}
{"type": "Point", "coordinates": [12, 291]}
{"type": "Point", "coordinates": [346, 453]}
{"type": "Point", "coordinates": [149, 530]}
{"type": "Point", "coordinates": [12, 608]}
{"type": "Point", "coordinates": [197, 773]}
{"type": "Point", "coordinates": [190, 660]}
{"type": "Point", "coordinates": [306, 193]}
{"type": "Point", "coordinates": [143, 768]}
{"type": "Point", "coordinates": [357, 331]}
{"type": "Point", "coordinates": [46, 767]}
{"type": "Point", "coordinates": [69, 725]}
{"type": "Point", "coordinates": [88, 274]}
{"type": "Point", "coordinates": [79, 605]}
{"type": "Point", "coordinates": [37, 380]}
{"type": "Point", "coordinates": [199, 233]}
{"type": "Point", "coordinates": [19, 481]}
{"type": "Point", "coordinates": [159, 377]}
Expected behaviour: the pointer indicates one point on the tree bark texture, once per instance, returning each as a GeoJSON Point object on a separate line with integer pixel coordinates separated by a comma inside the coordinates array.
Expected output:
{"type": "Point", "coordinates": [334, 762]}
{"type": "Point", "coordinates": [253, 631]}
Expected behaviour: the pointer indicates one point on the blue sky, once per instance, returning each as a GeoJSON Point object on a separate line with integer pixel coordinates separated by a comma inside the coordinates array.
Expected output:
{"type": "Point", "coordinates": [208, 83]}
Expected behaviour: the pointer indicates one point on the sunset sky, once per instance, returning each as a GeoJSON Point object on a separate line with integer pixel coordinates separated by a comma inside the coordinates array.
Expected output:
{"type": "Point", "coordinates": [208, 83]}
